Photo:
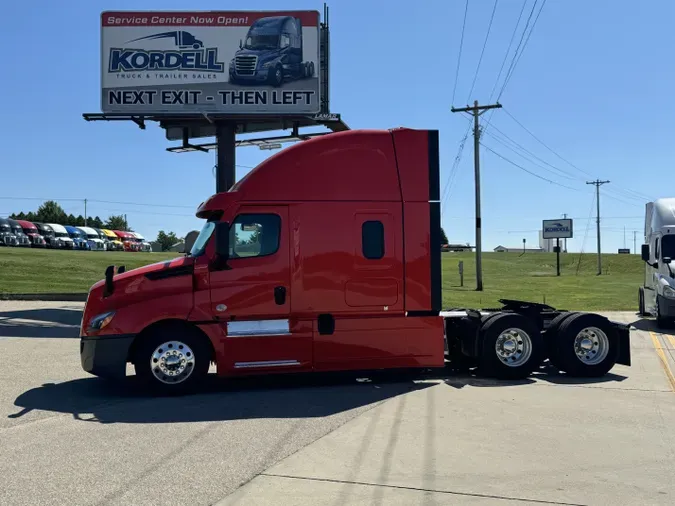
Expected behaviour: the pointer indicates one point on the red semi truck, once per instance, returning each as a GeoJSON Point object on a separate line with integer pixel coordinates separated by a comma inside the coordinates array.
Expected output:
{"type": "Point", "coordinates": [325, 257]}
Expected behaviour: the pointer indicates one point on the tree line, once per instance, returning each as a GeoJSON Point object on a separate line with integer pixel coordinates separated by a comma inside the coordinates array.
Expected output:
{"type": "Point", "coordinates": [51, 212]}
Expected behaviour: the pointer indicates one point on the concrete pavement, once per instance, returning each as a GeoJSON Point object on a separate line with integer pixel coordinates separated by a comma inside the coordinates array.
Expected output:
{"type": "Point", "coordinates": [67, 438]}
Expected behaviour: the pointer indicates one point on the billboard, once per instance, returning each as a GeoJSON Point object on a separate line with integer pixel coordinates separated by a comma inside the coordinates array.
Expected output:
{"type": "Point", "coordinates": [210, 62]}
{"type": "Point", "coordinates": [557, 229]}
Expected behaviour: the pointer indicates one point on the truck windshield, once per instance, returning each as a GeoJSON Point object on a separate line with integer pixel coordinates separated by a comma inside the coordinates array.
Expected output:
{"type": "Point", "coordinates": [262, 42]}
{"type": "Point", "coordinates": [92, 236]}
{"type": "Point", "coordinates": [203, 238]}
{"type": "Point", "coordinates": [4, 228]}
{"type": "Point", "coordinates": [60, 234]}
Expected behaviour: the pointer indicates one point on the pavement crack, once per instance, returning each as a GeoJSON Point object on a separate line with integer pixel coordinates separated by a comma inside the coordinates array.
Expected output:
{"type": "Point", "coordinates": [420, 489]}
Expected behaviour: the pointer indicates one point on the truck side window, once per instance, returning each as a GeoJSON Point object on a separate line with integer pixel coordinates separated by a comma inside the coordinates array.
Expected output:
{"type": "Point", "coordinates": [372, 239]}
{"type": "Point", "coordinates": [254, 235]}
{"type": "Point", "coordinates": [285, 40]}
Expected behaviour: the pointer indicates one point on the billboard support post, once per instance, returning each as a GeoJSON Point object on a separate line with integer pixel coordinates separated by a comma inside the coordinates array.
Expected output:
{"type": "Point", "coordinates": [225, 156]}
{"type": "Point", "coordinates": [557, 255]}
{"type": "Point", "coordinates": [557, 229]}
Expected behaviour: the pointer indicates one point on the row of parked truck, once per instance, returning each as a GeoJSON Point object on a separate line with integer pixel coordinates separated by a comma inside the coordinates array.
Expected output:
{"type": "Point", "coordinates": [55, 236]}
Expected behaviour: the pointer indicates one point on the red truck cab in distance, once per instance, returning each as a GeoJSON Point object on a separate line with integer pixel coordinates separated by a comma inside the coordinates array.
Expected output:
{"type": "Point", "coordinates": [325, 257]}
{"type": "Point", "coordinates": [128, 240]}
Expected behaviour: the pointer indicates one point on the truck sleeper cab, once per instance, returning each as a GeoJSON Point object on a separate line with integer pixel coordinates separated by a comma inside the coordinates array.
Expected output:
{"type": "Point", "coordinates": [271, 53]}
{"type": "Point", "coordinates": [7, 237]}
{"type": "Point", "coordinates": [324, 276]}
{"type": "Point", "coordinates": [48, 234]}
{"type": "Point", "coordinates": [93, 239]}
{"type": "Point", "coordinates": [36, 240]}
{"type": "Point", "coordinates": [61, 236]}
{"type": "Point", "coordinates": [114, 241]}
{"type": "Point", "coordinates": [79, 238]}
{"type": "Point", "coordinates": [656, 296]}
{"type": "Point", "coordinates": [128, 240]}
{"type": "Point", "coordinates": [21, 238]}
{"type": "Point", "coordinates": [143, 245]}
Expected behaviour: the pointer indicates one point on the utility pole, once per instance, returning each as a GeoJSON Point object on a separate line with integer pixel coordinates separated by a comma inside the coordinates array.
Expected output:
{"type": "Point", "coordinates": [634, 248]}
{"type": "Point", "coordinates": [85, 212]}
{"type": "Point", "coordinates": [597, 183]}
{"type": "Point", "coordinates": [126, 223]}
{"type": "Point", "coordinates": [565, 239]}
{"type": "Point", "coordinates": [476, 111]}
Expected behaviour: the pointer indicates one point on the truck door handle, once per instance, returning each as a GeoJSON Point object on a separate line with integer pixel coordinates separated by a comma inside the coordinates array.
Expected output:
{"type": "Point", "coordinates": [280, 295]}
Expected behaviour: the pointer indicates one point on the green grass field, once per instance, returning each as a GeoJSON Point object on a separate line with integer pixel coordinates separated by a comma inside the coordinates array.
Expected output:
{"type": "Point", "coordinates": [506, 275]}
{"type": "Point", "coordinates": [38, 270]}
{"type": "Point", "coordinates": [532, 277]}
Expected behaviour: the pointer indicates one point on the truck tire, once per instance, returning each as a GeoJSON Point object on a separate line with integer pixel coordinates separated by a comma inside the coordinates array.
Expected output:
{"type": "Point", "coordinates": [587, 344]}
{"type": "Point", "coordinates": [277, 77]}
{"type": "Point", "coordinates": [661, 321]}
{"type": "Point", "coordinates": [172, 359]}
{"type": "Point", "coordinates": [641, 301]}
{"type": "Point", "coordinates": [551, 338]}
{"type": "Point", "coordinates": [511, 346]}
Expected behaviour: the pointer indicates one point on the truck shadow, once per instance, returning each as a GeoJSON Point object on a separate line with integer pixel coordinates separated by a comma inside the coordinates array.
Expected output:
{"type": "Point", "coordinates": [97, 400]}
{"type": "Point", "coordinates": [61, 322]}
{"type": "Point", "coordinates": [289, 396]}
{"type": "Point", "coordinates": [649, 325]}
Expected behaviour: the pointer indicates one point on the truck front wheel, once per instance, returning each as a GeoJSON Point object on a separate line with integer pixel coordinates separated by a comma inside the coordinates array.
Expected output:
{"type": "Point", "coordinates": [587, 345]}
{"type": "Point", "coordinates": [277, 77]}
{"type": "Point", "coordinates": [511, 347]}
{"type": "Point", "coordinates": [641, 301]}
{"type": "Point", "coordinates": [172, 359]}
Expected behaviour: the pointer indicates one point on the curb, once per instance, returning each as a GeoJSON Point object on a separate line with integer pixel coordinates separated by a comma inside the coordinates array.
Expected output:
{"type": "Point", "coordinates": [65, 297]}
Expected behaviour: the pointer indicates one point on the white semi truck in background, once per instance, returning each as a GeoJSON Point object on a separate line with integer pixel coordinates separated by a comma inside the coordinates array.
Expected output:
{"type": "Point", "coordinates": [656, 296]}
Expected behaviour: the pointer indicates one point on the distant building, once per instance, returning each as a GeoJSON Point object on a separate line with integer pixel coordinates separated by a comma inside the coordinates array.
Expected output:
{"type": "Point", "coordinates": [546, 245]}
{"type": "Point", "coordinates": [504, 249]}
{"type": "Point", "coordinates": [456, 247]}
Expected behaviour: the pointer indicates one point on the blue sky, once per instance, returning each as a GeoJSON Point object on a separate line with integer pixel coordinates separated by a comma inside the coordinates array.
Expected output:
{"type": "Point", "coordinates": [594, 84]}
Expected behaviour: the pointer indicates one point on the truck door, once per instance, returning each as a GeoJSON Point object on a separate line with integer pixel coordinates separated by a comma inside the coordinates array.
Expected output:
{"type": "Point", "coordinates": [252, 297]}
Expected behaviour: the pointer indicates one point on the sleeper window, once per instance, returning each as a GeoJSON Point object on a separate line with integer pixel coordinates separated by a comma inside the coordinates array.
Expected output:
{"type": "Point", "coordinates": [372, 239]}
{"type": "Point", "coordinates": [254, 235]}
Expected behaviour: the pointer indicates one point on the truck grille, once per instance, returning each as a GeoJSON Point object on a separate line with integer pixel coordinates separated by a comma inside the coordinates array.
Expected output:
{"type": "Point", "coordinates": [245, 65]}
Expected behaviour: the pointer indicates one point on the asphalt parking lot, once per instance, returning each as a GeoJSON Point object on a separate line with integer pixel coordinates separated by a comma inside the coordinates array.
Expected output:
{"type": "Point", "coordinates": [69, 438]}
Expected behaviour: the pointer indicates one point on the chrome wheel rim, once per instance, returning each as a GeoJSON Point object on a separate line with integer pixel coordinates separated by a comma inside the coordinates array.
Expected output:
{"type": "Point", "coordinates": [591, 346]}
{"type": "Point", "coordinates": [172, 362]}
{"type": "Point", "coordinates": [513, 347]}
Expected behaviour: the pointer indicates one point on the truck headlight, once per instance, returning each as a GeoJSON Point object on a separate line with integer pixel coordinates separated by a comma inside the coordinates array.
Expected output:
{"type": "Point", "coordinates": [268, 64]}
{"type": "Point", "coordinates": [668, 292]}
{"type": "Point", "coordinates": [99, 322]}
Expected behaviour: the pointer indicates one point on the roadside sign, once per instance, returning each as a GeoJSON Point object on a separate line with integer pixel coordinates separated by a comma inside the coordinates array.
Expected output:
{"type": "Point", "coordinates": [236, 62]}
{"type": "Point", "coordinates": [557, 229]}
{"type": "Point", "coordinates": [624, 251]}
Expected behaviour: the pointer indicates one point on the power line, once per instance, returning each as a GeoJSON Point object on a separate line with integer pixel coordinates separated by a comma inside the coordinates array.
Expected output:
{"type": "Point", "coordinates": [480, 59]}
{"type": "Point", "coordinates": [506, 55]}
{"type": "Point", "coordinates": [447, 190]}
{"type": "Point", "coordinates": [510, 74]}
{"type": "Point", "coordinates": [98, 201]}
{"type": "Point", "coordinates": [528, 171]}
{"type": "Point", "coordinates": [459, 56]}
{"type": "Point", "coordinates": [546, 146]}
{"type": "Point", "coordinates": [559, 173]}
{"type": "Point", "coordinates": [627, 192]}
{"type": "Point", "coordinates": [515, 54]}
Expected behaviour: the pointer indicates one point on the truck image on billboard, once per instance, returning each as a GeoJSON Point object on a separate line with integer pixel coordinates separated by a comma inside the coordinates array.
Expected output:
{"type": "Point", "coordinates": [210, 62]}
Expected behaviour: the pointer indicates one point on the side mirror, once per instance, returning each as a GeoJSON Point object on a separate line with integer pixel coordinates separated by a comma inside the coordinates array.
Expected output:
{"type": "Point", "coordinates": [645, 252]}
{"type": "Point", "coordinates": [666, 260]}
{"type": "Point", "coordinates": [240, 44]}
{"type": "Point", "coordinates": [222, 233]}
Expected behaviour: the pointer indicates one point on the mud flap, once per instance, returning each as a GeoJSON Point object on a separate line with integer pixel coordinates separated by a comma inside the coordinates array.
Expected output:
{"type": "Point", "coordinates": [623, 332]}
